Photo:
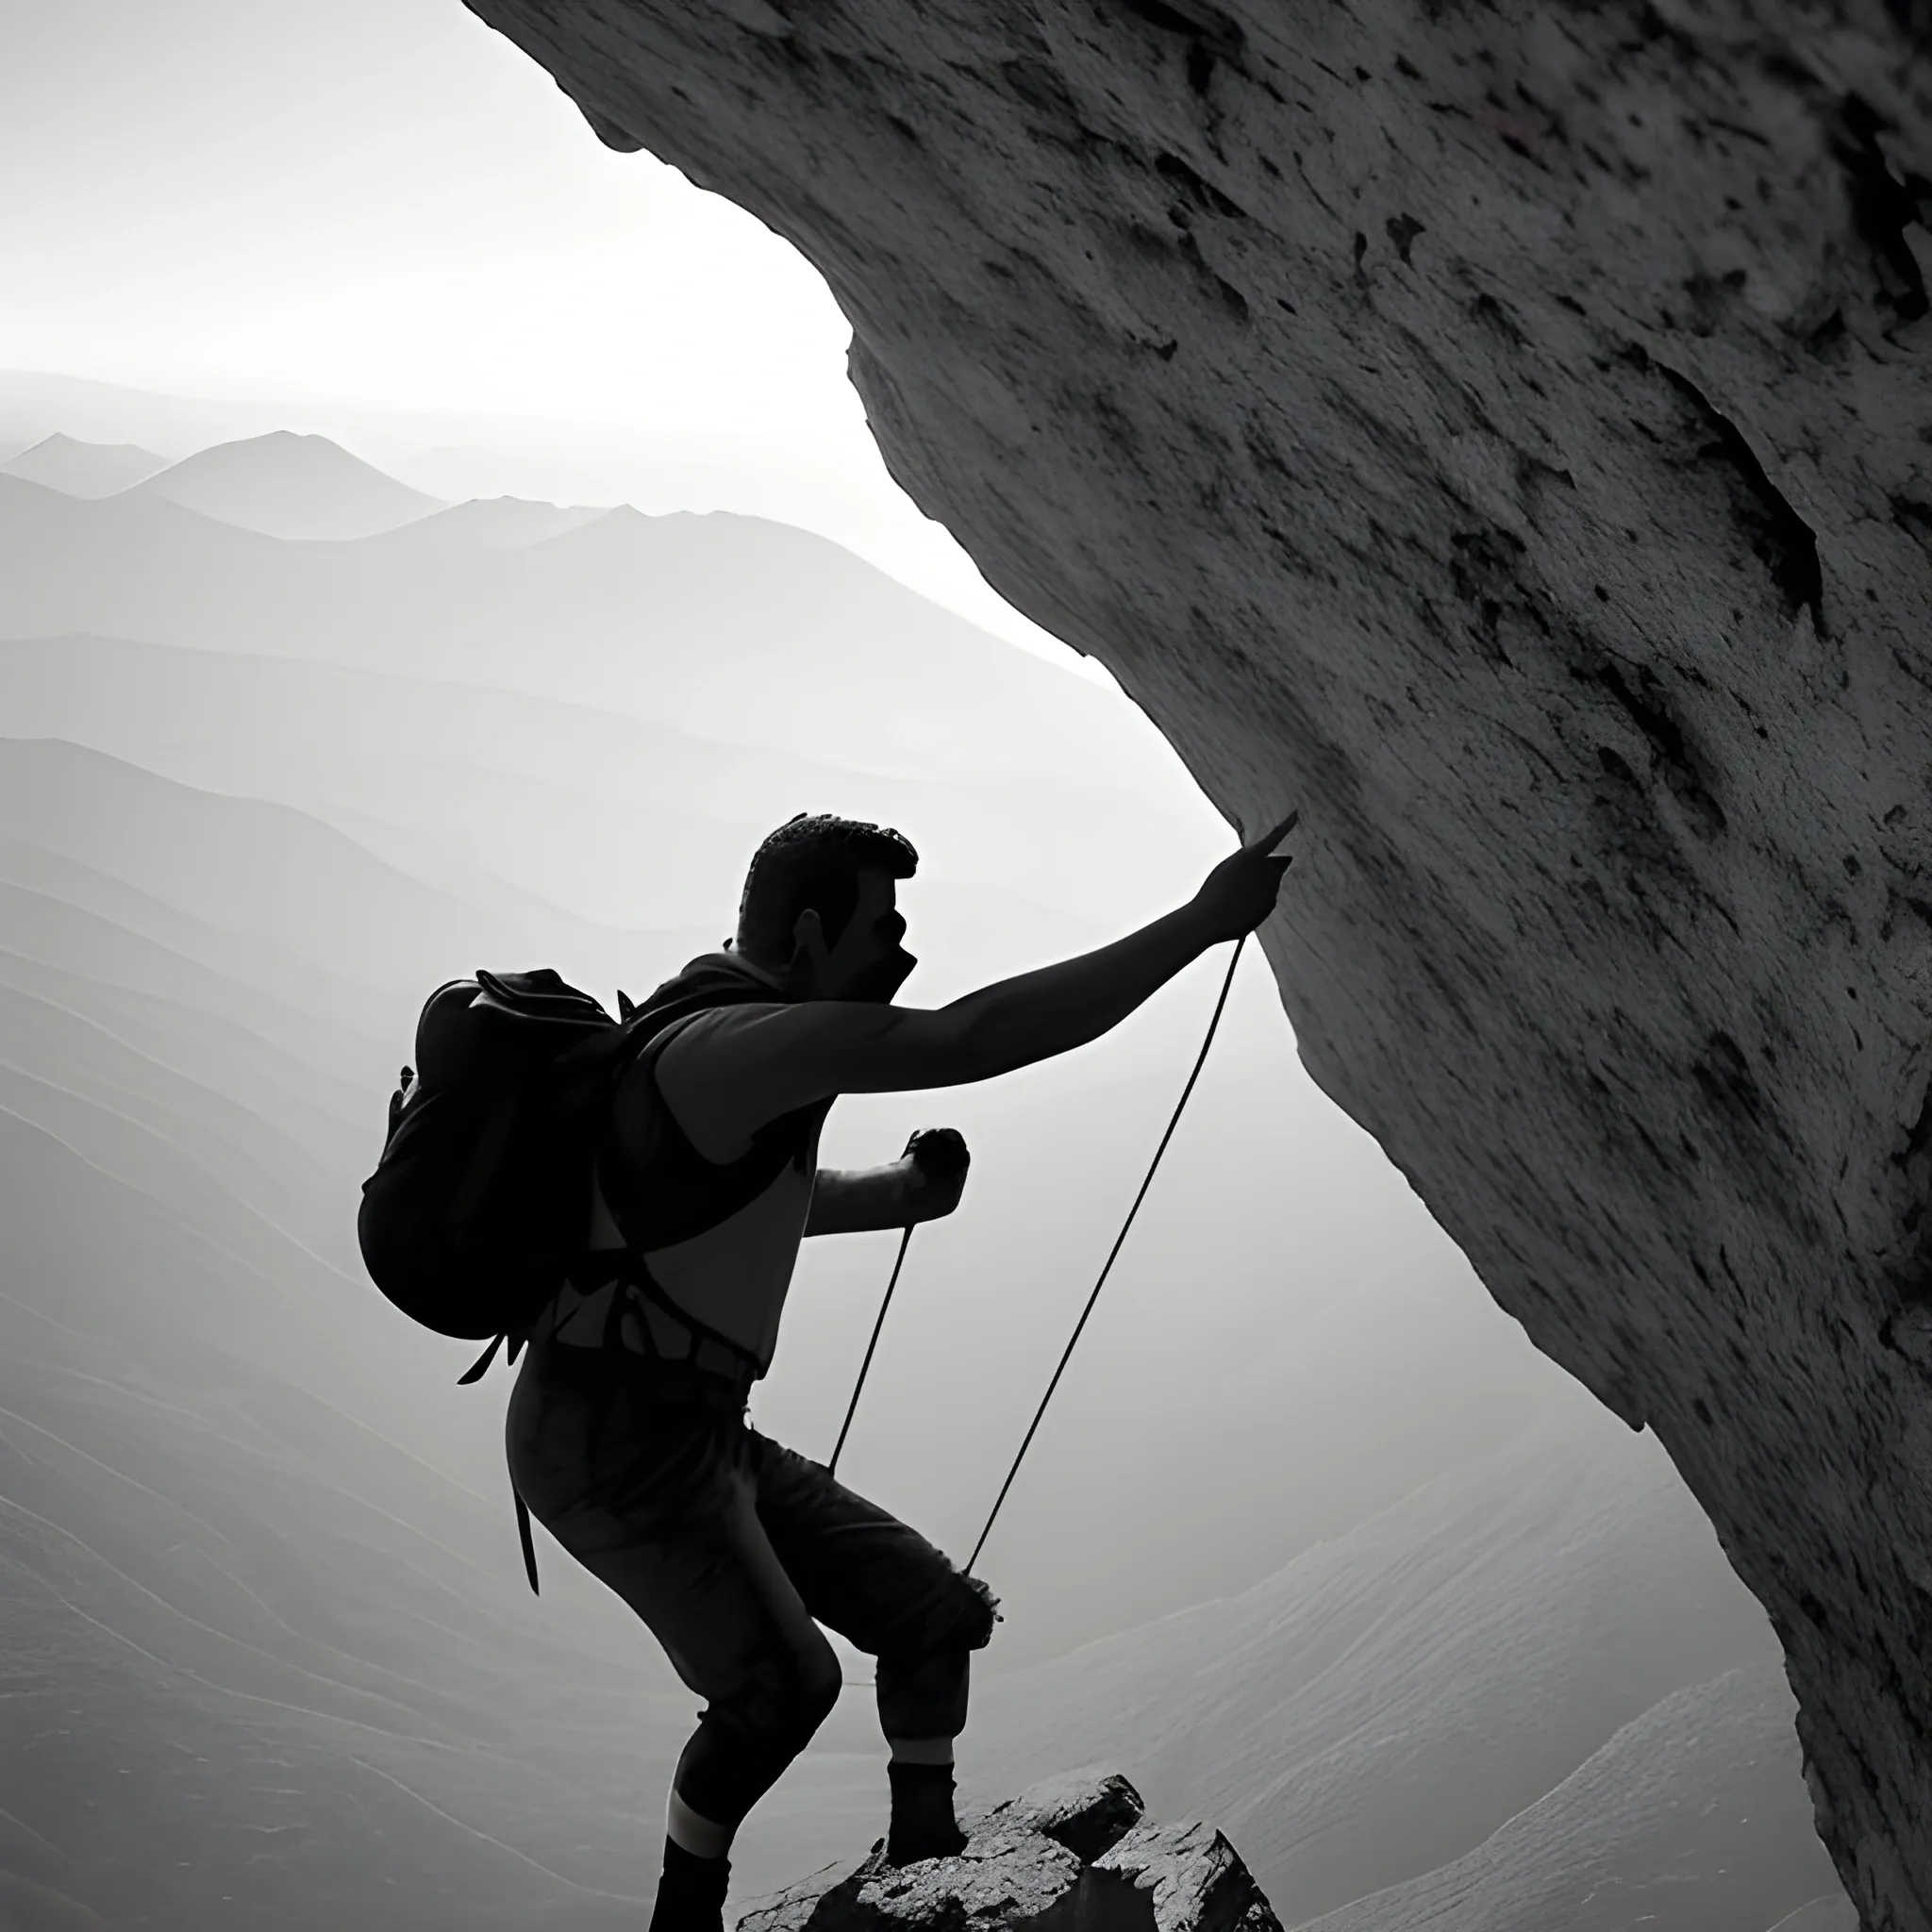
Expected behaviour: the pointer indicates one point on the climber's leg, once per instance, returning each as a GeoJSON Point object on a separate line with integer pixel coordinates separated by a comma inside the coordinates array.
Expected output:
{"type": "Point", "coordinates": [886, 1589]}
{"type": "Point", "coordinates": [653, 1488]}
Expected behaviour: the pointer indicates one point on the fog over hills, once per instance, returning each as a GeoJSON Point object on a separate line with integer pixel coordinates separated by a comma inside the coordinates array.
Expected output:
{"type": "Point", "coordinates": [1312, 1542]}
{"type": "Point", "coordinates": [729, 627]}
{"type": "Point", "coordinates": [1689, 1820]}
{"type": "Point", "coordinates": [84, 469]}
{"type": "Point", "coordinates": [501, 522]}
{"type": "Point", "coordinates": [462, 473]}
{"type": "Point", "coordinates": [1352, 1719]}
{"type": "Point", "coordinates": [286, 485]}
{"type": "Point", "coordinates": [615, 817]}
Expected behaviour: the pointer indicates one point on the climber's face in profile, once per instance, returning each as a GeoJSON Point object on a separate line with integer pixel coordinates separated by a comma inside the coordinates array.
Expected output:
{"type": "Point", "coordinates": [866, 961]}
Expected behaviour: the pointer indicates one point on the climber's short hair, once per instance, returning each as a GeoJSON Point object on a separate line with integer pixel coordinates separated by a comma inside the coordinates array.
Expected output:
{"type": "Point", "coordinates": [813, 861]}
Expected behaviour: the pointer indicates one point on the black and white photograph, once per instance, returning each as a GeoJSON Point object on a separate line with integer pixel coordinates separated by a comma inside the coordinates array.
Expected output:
{"type": "Point", "coordinates": [966, 966]}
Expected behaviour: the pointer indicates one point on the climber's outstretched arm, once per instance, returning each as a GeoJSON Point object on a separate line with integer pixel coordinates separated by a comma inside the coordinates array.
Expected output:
{"type": "Point", "coordinates": [811, 1050]}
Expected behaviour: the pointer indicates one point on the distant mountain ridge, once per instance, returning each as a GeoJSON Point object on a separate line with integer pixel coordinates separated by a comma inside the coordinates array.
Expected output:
{"type": "Point", "coordinates": [497, 523]}
{"type": "Point", "coordinates": [298, 487]}
{"type": "Point", "coordinates": [600, 813]}
{"type": "Point", "coordinates": [279, 871]}
{"type": "Point", "coordinates": [735, 628]}
{"type": "Point", "coordinates": [84, 469]}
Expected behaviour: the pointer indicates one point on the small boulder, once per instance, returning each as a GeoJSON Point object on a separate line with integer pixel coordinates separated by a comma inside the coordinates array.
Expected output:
{"type": "Point", "coordinates": [1088, 1810]}
{"type": "Point", "coordinates": [1194, 1878]}
{"type": "Point", "coordinates": [1071, 1854]}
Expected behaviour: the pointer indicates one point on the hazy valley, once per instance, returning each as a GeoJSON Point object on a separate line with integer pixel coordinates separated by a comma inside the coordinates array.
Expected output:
{"type": "Point", "coordinates": [1313, 1545]}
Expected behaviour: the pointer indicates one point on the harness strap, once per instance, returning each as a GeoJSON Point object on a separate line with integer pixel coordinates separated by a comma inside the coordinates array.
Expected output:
{"type": "Point", "coordinates": [474, 1372]}
{"type": "Point", "coordinates": [624, 1267]}
{"type": "Point", "coordinates": [524, 1537]}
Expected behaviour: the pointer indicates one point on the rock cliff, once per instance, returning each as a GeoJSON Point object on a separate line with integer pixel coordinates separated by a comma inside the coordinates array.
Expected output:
{"type": "Point", "coordinates": [1074, 1854]}
{"type": "Point", "coordinates": [1503, 432]}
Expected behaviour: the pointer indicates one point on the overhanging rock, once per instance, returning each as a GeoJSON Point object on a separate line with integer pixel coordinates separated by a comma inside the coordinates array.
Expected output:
{"type": "Point", "coordinates": [1505, 432]}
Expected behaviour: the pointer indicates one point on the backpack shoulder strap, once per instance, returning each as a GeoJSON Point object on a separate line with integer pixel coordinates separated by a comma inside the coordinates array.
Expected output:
{"type": "Point", "coordinates": [678, 1193]}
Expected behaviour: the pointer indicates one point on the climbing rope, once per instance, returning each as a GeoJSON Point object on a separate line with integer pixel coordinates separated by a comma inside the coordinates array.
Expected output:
{"type": "Point", "coordinates": [1120, 1239]}
{"type": "Point", "coordinates": [905, 1242]}
{"type": "Point", "coordinates": [1200, 1060]}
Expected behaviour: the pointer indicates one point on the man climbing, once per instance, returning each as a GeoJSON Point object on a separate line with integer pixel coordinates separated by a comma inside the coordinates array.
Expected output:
{"type": "Point", "coordinates": [626, 1432]}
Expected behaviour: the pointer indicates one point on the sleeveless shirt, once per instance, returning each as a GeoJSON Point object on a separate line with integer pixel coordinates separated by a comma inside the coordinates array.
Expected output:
{"type": "Point", "coordinates": [733, 1277]}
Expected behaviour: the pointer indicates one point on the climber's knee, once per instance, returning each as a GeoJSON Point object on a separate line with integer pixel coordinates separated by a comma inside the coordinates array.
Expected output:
{"type": "Point", "coordinates": [790, 1694]}
{"type": "Point", "coordinates": [745, 1740]}
{"type": "Point", "coordinates": [964, 1617]}
{"type": "Point", "coordinates": [978, 1616]}
{"type": "Point", "coordinates": [816, 1693]}
{"type": "Point", "coordinates": [959, 1616]}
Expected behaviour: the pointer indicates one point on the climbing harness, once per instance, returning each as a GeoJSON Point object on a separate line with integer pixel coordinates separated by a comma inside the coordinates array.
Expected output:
{"type": "Point", "coordinates": [1200, 1060]}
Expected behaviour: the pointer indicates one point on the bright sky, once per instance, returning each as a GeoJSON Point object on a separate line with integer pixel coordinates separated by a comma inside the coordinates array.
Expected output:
{"type": "Point", "coordinates": [382, 204]}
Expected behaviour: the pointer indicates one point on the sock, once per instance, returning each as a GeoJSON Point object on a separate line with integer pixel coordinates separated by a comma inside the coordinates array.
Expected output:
{"type": "Point", "coordinates": [691, 1894]}
{"type": "Point", "coordinates": [923, 1823]}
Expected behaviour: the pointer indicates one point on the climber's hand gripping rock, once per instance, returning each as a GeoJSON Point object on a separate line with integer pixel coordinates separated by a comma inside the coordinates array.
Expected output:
{"type": "Point", "coordinates": [1241, 891]}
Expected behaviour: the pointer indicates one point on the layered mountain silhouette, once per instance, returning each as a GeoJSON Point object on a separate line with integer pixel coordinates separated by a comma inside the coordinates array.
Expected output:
{"type": "Point", "coordinates": [500, 523]}
{"type": "Point", "coordinates": [84, 469]}
{"type": "Point", "coordinates": [287, 485]}
{"type": "Point", "coordinates": [1313, 1544]}
{"type": "Point", "coordinates": [462, 474]}
{"type": "Point", "coordinates": [734, 628]}
{"type": "Point", "coordinates": [1347, 1721]}
{"type": "Point", "coordinates": [624, 818]}
{"type": "Point", "coordinates": [1689, 1818]}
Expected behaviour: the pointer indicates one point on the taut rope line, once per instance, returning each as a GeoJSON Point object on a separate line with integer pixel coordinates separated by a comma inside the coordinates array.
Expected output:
{"type": "Point", "coordinates": [1200, 1060]}
{"type": "Point", "coordinates": [905, 1242]}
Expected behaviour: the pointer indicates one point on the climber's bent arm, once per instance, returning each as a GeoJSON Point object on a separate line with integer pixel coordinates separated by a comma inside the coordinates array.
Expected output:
{"type": "Point", "coordinates": [863, 1200]}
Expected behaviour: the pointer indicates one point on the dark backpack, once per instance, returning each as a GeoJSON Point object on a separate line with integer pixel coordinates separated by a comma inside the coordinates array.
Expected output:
{"type": "Point", "coordinates": [481, 1202]}
{"type": "Point", "coordinates": [480, 1207]}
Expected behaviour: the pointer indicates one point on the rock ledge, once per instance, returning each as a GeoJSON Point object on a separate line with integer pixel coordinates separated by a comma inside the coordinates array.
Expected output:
{"type": "Point", "coordinates": [1072, 1855]}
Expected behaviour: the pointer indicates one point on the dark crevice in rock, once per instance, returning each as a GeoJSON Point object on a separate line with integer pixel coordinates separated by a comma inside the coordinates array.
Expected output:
{"type": "Point", "coordinates": [1652, 27]}
{"type": "Point", "coordinates": [1910, 1277]}
{"type": "Point", "coordinates": [1039, 84]}
{"type": "Point", "coordinates": [1402, 230]}
{"type": "Point", "coordinates": [1732, 1092]}
{"type": "Point", "coordinates": [1671, 749]}
{"type": "Point", "coordinates": [1211, 35]}
{"type": "Point", "coordinates": [1500, 317]}
{"type": "Point", "coordinates": [1913, 18]}
{"type": "Point", "coordinates": [1484, 572]}
{"type": "Point", "coordinates": [1780, 538]}
{"type": "Point", "coordinates": [1920, 1133]}
{"type": "Point", "coordinates": [1203, 194]}
{"type": "Point", "coordinates": [1230, 297]}
{"type": "Point", "coordinates": [1711, 299]}
{"type": "Point", "coordinates": [1914, 518]}
{"type": "Point", "coordinates": [1883, 207]}
{"type": "Point", "coordinates": [1831, 338]}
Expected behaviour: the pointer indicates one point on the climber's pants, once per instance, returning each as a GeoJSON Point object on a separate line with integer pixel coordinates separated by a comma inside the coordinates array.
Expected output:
{"type": "Point", "coordinates": [733, 1550]}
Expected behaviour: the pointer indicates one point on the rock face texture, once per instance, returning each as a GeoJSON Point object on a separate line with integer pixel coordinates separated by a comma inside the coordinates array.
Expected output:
{"type": "Point", "coordinates": [1503, 432]}
{"type": "Point", "coordinates": [1071, 1856]}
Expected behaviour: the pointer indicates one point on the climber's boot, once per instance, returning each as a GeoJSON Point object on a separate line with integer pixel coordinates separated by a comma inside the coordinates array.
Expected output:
{"type": "Point", "coordinates": [691, 1894]}
{"type": "Point", "coordinates": [923, 1823]}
